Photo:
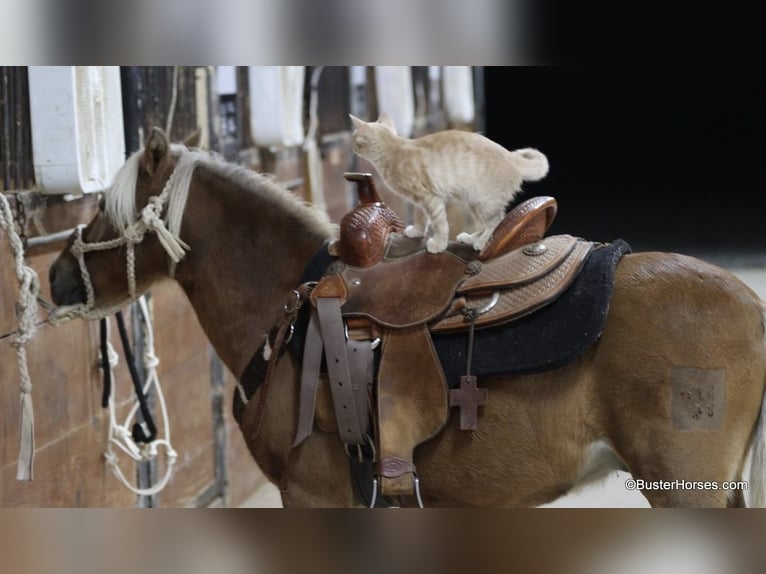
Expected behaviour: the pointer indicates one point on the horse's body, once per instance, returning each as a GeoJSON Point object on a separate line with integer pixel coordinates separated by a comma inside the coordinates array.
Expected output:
{"type": "Point", "coordinates": [538, 435]}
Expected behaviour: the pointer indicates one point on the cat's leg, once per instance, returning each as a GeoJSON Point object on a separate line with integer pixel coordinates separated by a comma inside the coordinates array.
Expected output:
{"type": "Point", "coordinates": [437, 213]}
{"type": "Point", "coordinates": [470, 238]}
{"type": "Point", "coordinates": [413, 231]}
{"type": "Point", "coordinates": [490, 214]}
{"type": "Point", "coordinates": [421, 227]}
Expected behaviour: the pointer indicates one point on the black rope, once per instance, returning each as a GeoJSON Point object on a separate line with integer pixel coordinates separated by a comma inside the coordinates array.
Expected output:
{"type": "Point", "coordinates": [105, 364]}
{"type": "Point", "coordinates": [139, 431]}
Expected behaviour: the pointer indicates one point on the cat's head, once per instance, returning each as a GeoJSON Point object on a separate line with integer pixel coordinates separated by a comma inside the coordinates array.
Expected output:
{"type": "Point", "coordinates": [368, 137]}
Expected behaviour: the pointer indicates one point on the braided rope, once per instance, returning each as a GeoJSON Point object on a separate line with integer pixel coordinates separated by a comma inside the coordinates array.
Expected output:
{"type": "Point", "coordinates": [149, 221]}
{"type": "Point", "coordinates": [120, 436]}
{"type": "Point", "coordinates": [29, 289]}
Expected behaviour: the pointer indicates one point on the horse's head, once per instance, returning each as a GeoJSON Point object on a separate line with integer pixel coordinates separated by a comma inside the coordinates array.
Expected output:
{"type": "Point", "coordinates": [125, 248]}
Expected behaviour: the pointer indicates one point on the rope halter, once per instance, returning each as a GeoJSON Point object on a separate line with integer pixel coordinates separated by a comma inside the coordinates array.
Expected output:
{"type": "Point", "coordinates": [149, 221]}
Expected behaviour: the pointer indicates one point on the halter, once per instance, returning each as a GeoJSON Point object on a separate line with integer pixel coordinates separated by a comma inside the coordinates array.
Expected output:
{"type": "Point", "coordinates": [148, 221]}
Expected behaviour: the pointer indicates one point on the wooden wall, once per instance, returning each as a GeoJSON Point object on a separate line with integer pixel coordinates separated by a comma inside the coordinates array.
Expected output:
{"type": "Point", "coordinates": [214, 466]}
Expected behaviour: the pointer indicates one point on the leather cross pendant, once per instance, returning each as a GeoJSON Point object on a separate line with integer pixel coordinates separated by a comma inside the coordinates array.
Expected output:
{"type": "Point", "coordinates": [468, 398]}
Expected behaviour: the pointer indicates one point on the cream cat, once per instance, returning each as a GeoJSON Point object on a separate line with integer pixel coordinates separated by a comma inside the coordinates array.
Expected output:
{"type": "Point", "coordinates": [444, 166]}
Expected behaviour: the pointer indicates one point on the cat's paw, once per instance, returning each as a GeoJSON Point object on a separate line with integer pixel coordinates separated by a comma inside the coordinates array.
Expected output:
{"type": "Point", "coordinates": [413, 232]}
{"type": "Point", "coordinates": [436, 245]}
{"type": "Point", "coordinates": [464, 237]}
{"type": "Point", "coordinates": [481, 239]}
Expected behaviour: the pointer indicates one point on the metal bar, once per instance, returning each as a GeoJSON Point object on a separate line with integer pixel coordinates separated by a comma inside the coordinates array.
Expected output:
{"type": "Point", "coordinates": [207, 497]}
{"type": "Point", "coordinates": [7, 130]}
{"type": "Point", "coordinates": [13, 158]}
{"type": "Point", "coordinates": [51, 238]}
{"type": "Point", "coordinates": [28, 172]}
{"type": "Point", "coordinates": [218, 397]}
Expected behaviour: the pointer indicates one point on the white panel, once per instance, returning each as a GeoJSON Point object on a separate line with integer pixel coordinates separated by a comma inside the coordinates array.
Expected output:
{"type": "Point", "coordinates": [458, 94]}
{"type": "Point", "coordinates": [226, 80]}
{"type": "Point", "coordinates": [78, 138]}
{"type": "Point", "coordinates": [393, 88]}
{"type": "Point", "coordinates": [202, 98]}
{"type": "Point", "coordinates": [276, 105]}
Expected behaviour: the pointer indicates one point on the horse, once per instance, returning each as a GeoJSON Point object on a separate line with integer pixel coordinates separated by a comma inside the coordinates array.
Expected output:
{"type": "Point", "coordinates": [237, 243]}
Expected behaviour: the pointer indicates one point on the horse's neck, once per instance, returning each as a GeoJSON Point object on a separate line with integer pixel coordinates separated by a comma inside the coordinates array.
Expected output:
{"type": "Point", "coordinates": [244, 260]}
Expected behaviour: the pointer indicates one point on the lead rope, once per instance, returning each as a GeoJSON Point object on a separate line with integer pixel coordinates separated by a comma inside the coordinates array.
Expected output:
{"type": "Point", "coordinates": [29, 289]}
{"type": "Point", "coordinates": [121, 436]}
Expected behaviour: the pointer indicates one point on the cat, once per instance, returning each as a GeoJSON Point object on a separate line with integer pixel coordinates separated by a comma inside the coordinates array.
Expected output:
{"type": "Point", "coordinates": [445, 166]}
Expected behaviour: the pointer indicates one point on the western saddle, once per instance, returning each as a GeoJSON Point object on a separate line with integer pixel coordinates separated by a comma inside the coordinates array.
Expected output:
{"type": "Point", "coordinates": [386, 290]}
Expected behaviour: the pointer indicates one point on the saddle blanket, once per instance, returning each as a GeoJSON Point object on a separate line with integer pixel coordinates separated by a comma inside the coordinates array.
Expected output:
{"type": "Point", "coordinates": [548, 338]}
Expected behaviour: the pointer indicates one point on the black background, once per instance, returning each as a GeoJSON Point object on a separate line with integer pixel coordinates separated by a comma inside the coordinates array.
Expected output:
{"type": "Point", "coordinates": [667, 159]}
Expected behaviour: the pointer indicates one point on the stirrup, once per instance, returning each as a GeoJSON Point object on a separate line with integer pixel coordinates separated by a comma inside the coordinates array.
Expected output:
{"type": "Point", "coordinates": [374, 496]}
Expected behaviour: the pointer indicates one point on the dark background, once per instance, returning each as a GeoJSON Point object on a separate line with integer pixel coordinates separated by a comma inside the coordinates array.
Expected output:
{"type": "Point", "coordinates": [668, 159]}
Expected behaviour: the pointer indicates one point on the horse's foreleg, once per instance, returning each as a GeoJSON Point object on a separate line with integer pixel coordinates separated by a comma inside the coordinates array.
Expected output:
{"type": "Point", "coordinates": [319, 475]}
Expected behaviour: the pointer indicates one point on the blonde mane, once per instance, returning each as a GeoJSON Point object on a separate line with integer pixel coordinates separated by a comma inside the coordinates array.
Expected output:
{"type": "Point", "coordinates": [120, 200]}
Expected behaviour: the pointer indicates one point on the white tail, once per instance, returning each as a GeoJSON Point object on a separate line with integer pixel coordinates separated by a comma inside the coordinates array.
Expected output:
{"type": "Point", "coordinates": [758, 461]}
{"type": "Point", "coordinates": [532, 163]}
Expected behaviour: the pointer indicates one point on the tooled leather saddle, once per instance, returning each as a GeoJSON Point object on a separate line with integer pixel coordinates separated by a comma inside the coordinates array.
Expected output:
{"type": "Point", "coordinates": [385, 289]}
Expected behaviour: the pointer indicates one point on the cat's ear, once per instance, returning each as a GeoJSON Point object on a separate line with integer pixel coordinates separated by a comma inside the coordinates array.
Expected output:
{"type": "Point", "coordinates": [355, 121]}
{"type": "Point", "coordinates": [387, 121]}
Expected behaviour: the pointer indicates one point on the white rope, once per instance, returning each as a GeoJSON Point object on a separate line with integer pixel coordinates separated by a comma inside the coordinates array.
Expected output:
{"type": "Point", "coordinates": [29, 289]}
{"type": "Point", "coordinates": [120, 435]}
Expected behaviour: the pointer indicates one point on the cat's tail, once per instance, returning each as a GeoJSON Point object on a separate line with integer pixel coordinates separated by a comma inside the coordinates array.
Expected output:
{"type": "Point", "coordinates": [532, 163]}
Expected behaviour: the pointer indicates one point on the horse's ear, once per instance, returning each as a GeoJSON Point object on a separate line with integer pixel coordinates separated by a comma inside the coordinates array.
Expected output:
{"type": "Point", "coordinates": [194, 138]}
{"type": "Point", "coordinates": [155, 150]}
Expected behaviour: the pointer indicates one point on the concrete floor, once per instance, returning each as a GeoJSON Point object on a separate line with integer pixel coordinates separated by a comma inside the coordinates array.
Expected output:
{"type": "Point", "coordinates": [609, 493]}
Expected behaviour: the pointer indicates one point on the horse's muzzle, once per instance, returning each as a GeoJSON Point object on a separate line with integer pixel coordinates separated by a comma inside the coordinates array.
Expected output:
{"type": "Point", "coordinates": [67, 287]}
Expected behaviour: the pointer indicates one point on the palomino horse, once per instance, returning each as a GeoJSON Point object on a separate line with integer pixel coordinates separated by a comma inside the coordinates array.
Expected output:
{"type": "Point", "coordinates": [246, 242]}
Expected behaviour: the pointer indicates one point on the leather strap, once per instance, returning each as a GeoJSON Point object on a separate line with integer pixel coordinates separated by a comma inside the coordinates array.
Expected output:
{"type": "Point", "coordinates": [312, 363]}
{"type": "Point", "coordinates": [279, 341]}
{"type": "Point", "coordinates": [360, 365]}
{"type": "Point", "coordinates": [344, 401]}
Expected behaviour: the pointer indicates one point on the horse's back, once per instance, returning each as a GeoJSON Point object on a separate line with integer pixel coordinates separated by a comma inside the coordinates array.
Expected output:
{"type": "Point", "coordinates": [684, 303]}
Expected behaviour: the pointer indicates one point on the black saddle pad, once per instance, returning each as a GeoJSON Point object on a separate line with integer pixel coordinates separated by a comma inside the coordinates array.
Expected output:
{"type": "Point", "coordinates": [548, 338]}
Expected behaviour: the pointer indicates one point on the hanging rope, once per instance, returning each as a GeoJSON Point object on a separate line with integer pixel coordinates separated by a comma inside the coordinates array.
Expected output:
{"type": "Point", "coordinates": [29, 288]}
{"type": "Point", "coordinates": [122, 437]}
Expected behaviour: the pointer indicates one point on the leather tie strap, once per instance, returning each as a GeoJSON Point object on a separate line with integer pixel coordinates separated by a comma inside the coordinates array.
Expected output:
{"type": "Point", "coordinates": [360, 363]}
{"type": "Point", "coordinates": [326, 330]}
{"type": "Point", "coordinates": [312, 363]}
{"type": "Point", "coordinates": [334, 337]}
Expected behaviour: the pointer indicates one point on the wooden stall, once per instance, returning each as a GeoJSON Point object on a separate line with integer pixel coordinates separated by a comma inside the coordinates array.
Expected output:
{"type": "Point", "coordinates": [214, 467]}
